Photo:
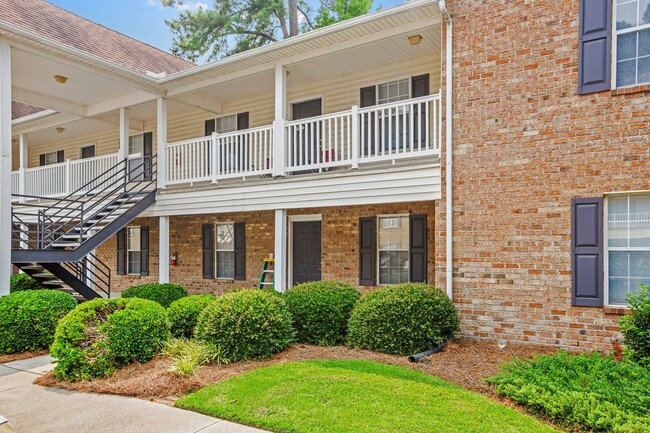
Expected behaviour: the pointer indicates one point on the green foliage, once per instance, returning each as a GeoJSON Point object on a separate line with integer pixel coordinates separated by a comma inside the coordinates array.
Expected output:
{"type": "Point", "coordinates": [402, 319]}
{"type": "Point", "coordinates": [164, 294]}
{"type": "Point", "coordinates": [246, 324]}
{"type": "Point", "coordinates": [28, 319]}
{"type": "Point", "coordinates": [354, 397]}
{"type": "Point", "coordinates": [184, 313]}
{"type": "Point", "coordinates": [234, 26]}
{"type": "Point", "coordinates": [189, 355]}
{"type": "Point", "coordinates": [636, 327]}
{"type": "Point", "coordinates": [585, 392]}
{"type": "Point", "coordinates": [101, 335]}
{"type": "Point", "coordinates": [21, 282]}
{"type": "Point", "coordinates": [321, 311]}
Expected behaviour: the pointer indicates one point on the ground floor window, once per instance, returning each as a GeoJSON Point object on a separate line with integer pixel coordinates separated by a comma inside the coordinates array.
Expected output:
{"type": "Point", "coordinates": [225, 250]}
{"type": "Point", "coordinates": [133, 248]}
{"type": "Point", "coordinates": [628, 246]}
{"type": "Point", "coordinates": [393, 249]}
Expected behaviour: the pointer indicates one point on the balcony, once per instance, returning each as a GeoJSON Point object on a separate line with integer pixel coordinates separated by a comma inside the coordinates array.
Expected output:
{"type": "Point", "coordinates": [349, 139]}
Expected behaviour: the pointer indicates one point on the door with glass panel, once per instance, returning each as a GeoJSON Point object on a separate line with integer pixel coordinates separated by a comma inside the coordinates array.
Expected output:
{"type": "Point", "coordinates": [140, 157]}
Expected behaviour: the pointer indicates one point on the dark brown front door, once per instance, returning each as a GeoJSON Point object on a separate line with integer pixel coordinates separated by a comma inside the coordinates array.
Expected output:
{"type": "Point", "coordinates": [306, 251]}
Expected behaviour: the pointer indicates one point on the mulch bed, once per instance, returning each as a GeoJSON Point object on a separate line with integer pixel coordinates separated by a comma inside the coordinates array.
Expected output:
{"type": "Point", "coordinates": [464, 362]}
{"type": "Point", "coordinates": [18, 356]}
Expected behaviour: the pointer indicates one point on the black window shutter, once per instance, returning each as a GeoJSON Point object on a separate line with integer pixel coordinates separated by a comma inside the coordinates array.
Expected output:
{"type": "Point", "coordinates": [418, 248]}
{"type": "Point", "coordinates": [368, 96]}
{"type": "Point", "coordinates": [240, 251]}
{"type": "Point", "coordinates": [210, 126]}
{"type": "Point", "coordinates": [208, 251]}
{"type": "Point", "coordinates": [41, 159]}
{"type": "Point", "coordinates": [147, 154]}
{"type": "Point", "coordinates": [420, 86]}
{"type": "Point", "coordinates": [242, 121]}
{"type": "Point", "coordinates": [367, 252]}
{"type": "Point", "coordinates": [587, 252]}
{"type": "Point", "coordinates": [144, 251]}
{"type": "Point", "coordinates": [121, 252]}
{"type": "Point", "coordinates": [594, 52]}
{"type": "Point", "coordinates": [60, 156]}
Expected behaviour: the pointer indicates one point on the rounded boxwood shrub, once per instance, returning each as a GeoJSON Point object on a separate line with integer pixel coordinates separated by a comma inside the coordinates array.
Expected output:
{"type": "Point", "coordinates": [164, 294]}
{"type": "Point", "coordinates": [636, 327]}
{"type": "Point", "coordinates": [28, 319]}
{"type": "Point", "coordinates": [321, 311]}
{"type": "Point", "coordinates": [21, 282]}
{"type": "Point", "coordinates": [184, 313]}
{"type": "Point", "coordinates": [101, 335]}
{"type": "Point", "coordinates": [402, 319]}
{"type": "Point", "coordinates": [246, 324]}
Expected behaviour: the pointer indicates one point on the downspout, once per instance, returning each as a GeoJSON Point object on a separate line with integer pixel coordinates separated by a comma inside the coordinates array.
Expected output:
{"type": "Point", "coordinates": [448, 150]}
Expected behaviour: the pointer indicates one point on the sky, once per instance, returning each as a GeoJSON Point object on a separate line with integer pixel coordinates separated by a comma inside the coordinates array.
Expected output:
{"type": "Point", "coordinates": [144, 19]}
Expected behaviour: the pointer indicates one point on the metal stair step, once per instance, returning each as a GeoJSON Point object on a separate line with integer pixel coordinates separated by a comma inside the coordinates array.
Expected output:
{"type": "Point", "coordinates": [42, 275]}
{"type": "Point", "coordinates": [56, 282]}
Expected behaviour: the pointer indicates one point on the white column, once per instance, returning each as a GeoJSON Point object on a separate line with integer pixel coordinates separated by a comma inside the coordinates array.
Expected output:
{"type": "Point", "coordinates": [280, 250]}
{"type": "Point", "coordinates": [5, 166]}
{"type": "Point", "coordinates": [279, 141]}
{"type": "Point", "coordinates": [124, 134]}
{"type": "Point", "coordinates": [163, 250]}
{"type": "Point", "coordinates": [22, 165]}
{"type": "Point", "coordinates": [161, 121]}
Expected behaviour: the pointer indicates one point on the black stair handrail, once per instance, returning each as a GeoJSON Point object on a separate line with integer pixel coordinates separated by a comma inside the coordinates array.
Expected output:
{"type": "Point", "coordinates": [98, 272]}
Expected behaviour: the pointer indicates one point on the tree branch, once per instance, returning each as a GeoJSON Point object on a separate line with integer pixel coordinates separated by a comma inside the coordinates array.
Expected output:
{"type": "Point", "coordinates": [283, 24]}
{"type": "Point", "coordinates": [240, 31]}
{"type": "Point", "coordinates": [307, 19]}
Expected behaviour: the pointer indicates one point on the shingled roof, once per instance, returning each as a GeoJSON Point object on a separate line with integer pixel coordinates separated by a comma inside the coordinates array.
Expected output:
{"type": "Point", "coordinates": [69, 29]}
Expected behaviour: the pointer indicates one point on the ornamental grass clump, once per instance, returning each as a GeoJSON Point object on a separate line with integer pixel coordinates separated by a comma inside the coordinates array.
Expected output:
{"type": "Point", "coordinates": [100, 336]}
{"type": "Point", "coordinates": [402, 319]}
{"type": "Point", "coordinates": [164, 294]}
{"type": "Point", "coordinates": [246, 324]}
{"type": "Point", "coordinates": [28, 319]}
{"type": "Point", "coordinates": [321, 311]}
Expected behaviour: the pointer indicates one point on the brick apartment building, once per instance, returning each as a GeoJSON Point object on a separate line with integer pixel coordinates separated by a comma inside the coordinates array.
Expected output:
{"type": "Point", "coordinates": [340, 151]}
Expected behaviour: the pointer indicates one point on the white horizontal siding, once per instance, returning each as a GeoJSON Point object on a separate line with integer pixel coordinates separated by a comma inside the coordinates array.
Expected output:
{"type": "Point", "coordinates": [400, 184]}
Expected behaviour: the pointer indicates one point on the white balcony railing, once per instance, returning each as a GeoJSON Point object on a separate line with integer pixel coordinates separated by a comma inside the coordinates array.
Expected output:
{"type": "Point", "coordinates": [61, 179]}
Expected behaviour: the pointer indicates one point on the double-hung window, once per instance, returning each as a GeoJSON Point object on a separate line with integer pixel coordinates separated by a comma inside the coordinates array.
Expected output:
{"type": "Point", "coordinates": [225, 250]}
{"type": "Point", "coordinates": [133, 251]}
{"type": "Point", "coordinates": [632, 42]}
{"type": "Point", "coordinates": [628, 246]}
{"type": "Point", "coordinates": [226, 124]}
{"type": "Point", "coordinates": [393, 91]}
{"type": "Point", "coordinates": [393, 249]}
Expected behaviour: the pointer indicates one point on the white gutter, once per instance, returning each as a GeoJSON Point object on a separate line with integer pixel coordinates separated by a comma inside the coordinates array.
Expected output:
{"type": "Point", "coordinates": [34, 116]}
{"type": "Point", "coordinates": [449, 161]}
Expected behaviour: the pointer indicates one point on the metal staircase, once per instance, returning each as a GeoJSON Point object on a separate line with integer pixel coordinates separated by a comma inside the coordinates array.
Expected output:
{"type": "Point", "coordinates": [53, 240]}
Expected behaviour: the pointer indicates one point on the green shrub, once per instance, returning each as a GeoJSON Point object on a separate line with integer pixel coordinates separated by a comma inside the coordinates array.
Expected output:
{"type": "Point", "coordinates": [164, 294]}
{"type": "Point", "coordinates": [184, 312]}
{"type": "Point", "coordinates": [402, 319]}
{"type": "Point", "coordinates": [21, 282]}
{"type": "Point", "coordinates": [101, 335]}
{"type": "Point", "coordinates": [321, 311]}
{"type": "Point", "coordinates": [246, 324]}
{"type": "Point", "coordinates": [28, 319]}
{"type": "Point", "coordinates": [585, 392]}
{"type": "Point", "coordinates": [189, 355]}
{"type": "Point", "coordinates": [636, 327]}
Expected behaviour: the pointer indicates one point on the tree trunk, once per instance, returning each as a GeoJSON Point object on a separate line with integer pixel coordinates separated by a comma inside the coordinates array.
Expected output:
{"type": "Point", "coordinates": [293, 17]}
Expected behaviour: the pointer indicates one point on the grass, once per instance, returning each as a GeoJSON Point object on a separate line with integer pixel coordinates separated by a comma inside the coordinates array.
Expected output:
{"type": "Point", "coordinates": [354, 396]}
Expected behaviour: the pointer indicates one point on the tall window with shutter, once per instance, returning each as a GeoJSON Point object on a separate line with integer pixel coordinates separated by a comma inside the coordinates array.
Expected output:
{"type": "Point", "coordinates": [632, 42]}
{"type": "Point", "coordinates": [224, 251]}
{"type": "Point", "coordinates": [133, 251]}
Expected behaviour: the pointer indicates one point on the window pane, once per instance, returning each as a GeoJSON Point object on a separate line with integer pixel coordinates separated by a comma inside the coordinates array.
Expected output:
{"type": "Point", "coordinates": [225, 240]}
{"type": "Point", "coordinates": [639, 221]}
{"type": "Point", "coordinates": [226, 124]}
{"type": "Point", "coordinates": [393, 267]}
{"type": "Point", "coordinates": [644, 12]}
{"type": "Point", "coordinates": [643, 74]}
{"type": "Point", "coordinates": [136, 144]}
{"type": "Point", "coordinates": [644, 43]}
{"type": "Point", "coordinates": [640, 264]}
{"type": "Point", "coordinates": [225, 264]}
{"type": "Point", "coordinates": [618, 289]}
{"type": "Point", "coordinates": [617, 222]}
{"type": "Point", "coordinates": [626, 46]}
{"type": "Point", "coordinates": [134, 262]}
{"type": "Point", "coordinates": [393, 233]}
{"type": "Point", "coordinates": [618, 264]}
{"type": "Point", "coordinates": [626, 15]}
{"type": "Point", "coordinates": [626, 73]}
{"type": "Point", "coordinates": [393, 91]}
{"type": "Point", "coordinates": [133, 242]}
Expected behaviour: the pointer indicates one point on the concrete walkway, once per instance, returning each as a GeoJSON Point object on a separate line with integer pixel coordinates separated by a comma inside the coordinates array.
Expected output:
{"type": "Point", "coordinates": [36, 409]}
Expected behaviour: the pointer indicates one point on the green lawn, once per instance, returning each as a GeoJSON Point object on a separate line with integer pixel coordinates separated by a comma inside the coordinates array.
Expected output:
{"type": "Point", "coordinates": [354, 396]}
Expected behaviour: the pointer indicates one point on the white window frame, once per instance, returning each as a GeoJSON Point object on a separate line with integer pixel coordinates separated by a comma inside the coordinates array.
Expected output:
{"type": "Point", "coordinates": [386, 83]}
{"type": "Point", "coordinates": [217, 250]}
{"type": "Point", "coordinates": [56, 158]}
{"type": "Point", "coordinates": [606, 248]}
{"type": "Point", "coordinates": [128, 260]}
{"type": "Point", "coordinates": [233, 116]}
{"type": "Point", "coordinates": [85, 146]}
{"type": "Point", "coordinates": [614, 48]}
{"type": "Point", "coordinates": [379, 250]}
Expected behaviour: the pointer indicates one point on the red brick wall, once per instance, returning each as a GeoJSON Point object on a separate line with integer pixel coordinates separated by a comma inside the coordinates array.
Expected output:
{"type": "Point", "coordinates": [340, 245]}
{"type": "Point", "coordinates": [525, 143]}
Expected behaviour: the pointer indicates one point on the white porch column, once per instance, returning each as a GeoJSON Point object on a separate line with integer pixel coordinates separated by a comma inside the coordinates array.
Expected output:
{"type": "Point", "coordinates": [161, 122]}
{"type": "Point", "coordinates": [280, 250]}
{"type": "Point", "coordinates": [163, 250]}
{"type": "Point", "coordinates": [124, 134]}
{"type": "Point", "coordinates": [5, 166]}
{"type": "Point", "coordinates": [279, 141]}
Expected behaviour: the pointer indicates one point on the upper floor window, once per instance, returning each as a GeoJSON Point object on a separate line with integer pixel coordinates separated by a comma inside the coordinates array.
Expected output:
{"type": "Point", "coordinates": [393, 91]}
{"type": "Point", "coordinates": [50, 158]}
{"type": "Point", "coordinates": [226, 124]}
{"type": "Point", "coordinates": [628, 246]}
{"type": "Point", "coordinates": [632, 42]}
